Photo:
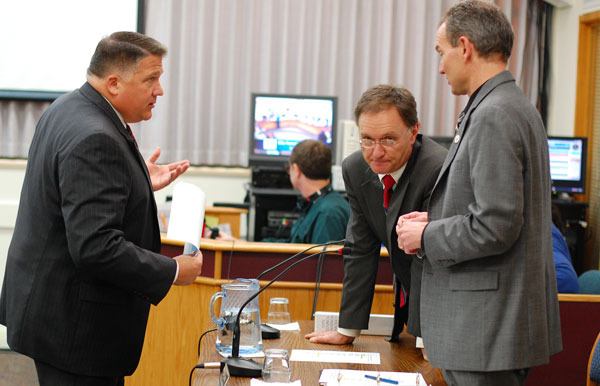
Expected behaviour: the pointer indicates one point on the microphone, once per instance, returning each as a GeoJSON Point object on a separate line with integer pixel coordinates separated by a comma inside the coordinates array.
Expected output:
{"type": "Point", "coordinates": [298, 254]}
{"type": "Point", "coordinates": [267, 331]}
{"type": "Point", "coordinates": [241, 367]}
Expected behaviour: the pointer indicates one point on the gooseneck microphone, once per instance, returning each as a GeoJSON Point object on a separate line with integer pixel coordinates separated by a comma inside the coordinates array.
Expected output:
{"type": "Point", "coordinates": [267, 331]}
{"type": "Point", "coordinates": [241, 367]}
{"type": "Point", "coordinates": [263, 273]}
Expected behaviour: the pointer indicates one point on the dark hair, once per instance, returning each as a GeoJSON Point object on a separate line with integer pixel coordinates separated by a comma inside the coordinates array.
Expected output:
{"type": "Point", "coordinates": [384, 96]}
{"type": "Point", "coordinates": [122, 51]}
{"type": "Point", "coordinates": [484, 24]}
{"type": "Point", "coordinates": [313, 158]}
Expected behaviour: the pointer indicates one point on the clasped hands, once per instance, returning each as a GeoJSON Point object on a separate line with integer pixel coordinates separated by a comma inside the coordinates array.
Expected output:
{"type": "Point", "coordinates": [410, 228]}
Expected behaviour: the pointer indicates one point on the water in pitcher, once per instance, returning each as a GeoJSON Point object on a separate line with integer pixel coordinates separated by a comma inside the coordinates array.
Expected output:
{"type": "Point", "coordinates": [250, 335]}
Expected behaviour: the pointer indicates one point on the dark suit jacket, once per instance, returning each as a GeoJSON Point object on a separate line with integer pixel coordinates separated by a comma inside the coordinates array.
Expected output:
{"type": "Point", "coordinates": [489, 299]}
{"type": "Point", "coordinates": [83, 266]}
{"type": "Point", "coordinates": [369, 227]}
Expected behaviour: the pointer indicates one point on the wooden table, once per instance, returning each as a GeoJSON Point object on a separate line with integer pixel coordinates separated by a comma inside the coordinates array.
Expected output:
{"type": "Point", "coordinates": [401, 356]}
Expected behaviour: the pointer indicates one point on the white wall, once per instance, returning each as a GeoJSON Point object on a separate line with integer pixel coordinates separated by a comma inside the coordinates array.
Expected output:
{"type": "Point", "coordinates": [563, 62]}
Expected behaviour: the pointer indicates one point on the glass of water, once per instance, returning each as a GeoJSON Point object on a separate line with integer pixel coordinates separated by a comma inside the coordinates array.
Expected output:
{"type": "Point", "coordinates": [278, 311]}
{"type": "Point", "coordinates": [276, 367]}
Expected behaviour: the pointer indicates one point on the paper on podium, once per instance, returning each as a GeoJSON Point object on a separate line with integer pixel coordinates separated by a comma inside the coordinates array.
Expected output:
{"type": "Point", "coordinates": [187, 214]}
{"type": "Point", "coordinates": [344, 377]}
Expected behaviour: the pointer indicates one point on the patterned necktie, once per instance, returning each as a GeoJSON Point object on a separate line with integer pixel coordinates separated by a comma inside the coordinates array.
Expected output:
{"type": "Point", "coordinates": [388, 183]}
{"type": "Point", "coordinates": [128, 129]}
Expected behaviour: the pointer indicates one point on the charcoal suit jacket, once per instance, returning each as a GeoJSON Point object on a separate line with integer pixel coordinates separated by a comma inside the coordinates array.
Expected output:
{"type": "Point", "coordinates": [83, 265]}
{"type": "Point", "coordinates": [370, 226]}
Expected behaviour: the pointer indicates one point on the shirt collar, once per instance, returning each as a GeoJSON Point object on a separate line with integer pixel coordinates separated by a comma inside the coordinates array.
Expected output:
{"type": "Point", "coordinates": [116, 112]}
{"type": "Point", "coordinates": [396, 174]}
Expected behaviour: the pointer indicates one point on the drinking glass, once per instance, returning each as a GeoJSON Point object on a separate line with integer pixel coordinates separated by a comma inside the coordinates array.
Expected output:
{"type": "Point", "coordinates": [276, 367]}
{"type": "Point", "coordinates": [278, 311]}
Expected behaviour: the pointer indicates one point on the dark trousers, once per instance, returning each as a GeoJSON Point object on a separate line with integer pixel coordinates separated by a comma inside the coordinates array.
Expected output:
{"type": "Point", "coordinates": [486, 378]}
{"type": "Point", "coordinates": [51, 376]}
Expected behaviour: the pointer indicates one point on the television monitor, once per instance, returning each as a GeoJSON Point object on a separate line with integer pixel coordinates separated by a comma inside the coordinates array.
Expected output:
{"type": "Point", "coordinates": [279, 122]}
{"type": "Point", "coordinates": [568, 157]}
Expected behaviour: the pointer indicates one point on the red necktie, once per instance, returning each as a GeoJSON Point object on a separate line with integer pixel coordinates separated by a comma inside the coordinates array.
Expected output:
{"type": "Point", "coordinates": [388, 183]}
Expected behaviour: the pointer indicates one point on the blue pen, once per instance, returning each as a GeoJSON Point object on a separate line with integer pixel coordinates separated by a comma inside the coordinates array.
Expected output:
{"type": "Point", "coordinates": [379, 379]}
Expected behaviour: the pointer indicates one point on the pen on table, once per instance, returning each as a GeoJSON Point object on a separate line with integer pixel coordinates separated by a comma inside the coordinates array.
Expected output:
{"type": "Point", "coordinates": [379, 379]}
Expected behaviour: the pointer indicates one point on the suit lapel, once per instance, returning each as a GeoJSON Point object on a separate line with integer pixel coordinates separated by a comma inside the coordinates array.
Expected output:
{"type": "Point", "coordinates": [488, 87]}
{"type": "Point", "coordinates": [96, 98]}
{"type": "Point", "coordinates": [374, 196]}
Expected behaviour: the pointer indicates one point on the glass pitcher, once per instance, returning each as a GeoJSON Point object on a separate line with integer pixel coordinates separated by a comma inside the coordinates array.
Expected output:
{"type": "Point", "coordinates": [233, 295]}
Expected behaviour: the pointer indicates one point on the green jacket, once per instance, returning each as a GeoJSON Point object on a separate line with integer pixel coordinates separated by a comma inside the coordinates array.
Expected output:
{"type": "Point", "coordinates": [325, 220]}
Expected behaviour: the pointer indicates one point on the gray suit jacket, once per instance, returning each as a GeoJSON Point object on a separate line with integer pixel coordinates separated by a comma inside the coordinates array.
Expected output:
{"type": "Point", "coordinates": [83, 266]}
{"type": "Point", "coordinates": [488, 299]}
{"type": "Point", "coordinates": [369, 227]}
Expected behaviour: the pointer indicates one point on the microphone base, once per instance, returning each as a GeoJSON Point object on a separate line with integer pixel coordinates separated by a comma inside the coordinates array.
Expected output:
{"type": "Point", "coordinates": [240, 367]}
{"type": "Point", "coordinates": [269, 332]}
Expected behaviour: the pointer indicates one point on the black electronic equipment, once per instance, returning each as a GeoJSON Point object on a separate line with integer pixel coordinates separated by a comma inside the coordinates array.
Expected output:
{"type": "Point", "coordinates": [273, 177]}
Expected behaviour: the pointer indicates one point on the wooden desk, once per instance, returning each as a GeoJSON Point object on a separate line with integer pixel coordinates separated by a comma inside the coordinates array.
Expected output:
{"type": "Point", "coordinates": [175, 325]}
{"type": "Point", "coordinates": [401, 356]}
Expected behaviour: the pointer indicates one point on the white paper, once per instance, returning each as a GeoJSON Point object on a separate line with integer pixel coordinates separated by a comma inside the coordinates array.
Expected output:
{"type": "Point", "coordinates": [260, 382]}
{"type": "Point", "coordinates": [294, 326]}
{"type": "Point", "coordinates": [326, 356]}
{"type": "Point", "coordinates": [187, 214]}
{"type": "Point", "coordinates": [357, 378]}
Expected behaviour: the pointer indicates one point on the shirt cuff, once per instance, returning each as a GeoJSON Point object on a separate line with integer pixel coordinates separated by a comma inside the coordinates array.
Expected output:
{"type": "Point", "coordinates": [421, 251]}
{"type": "Point", "coordinates": [176, 271]}
{"type": "Point", "coordinates": [349, 332]}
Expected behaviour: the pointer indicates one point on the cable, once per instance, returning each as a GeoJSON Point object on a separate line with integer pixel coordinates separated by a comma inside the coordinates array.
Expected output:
{"type": "Point", "coordinates": [202, 365]}
{"type": "Point", "coordinates": [202, 336]}
{"type": "Point", "coordinates": [320, 262]}
{"type": "Point", "coordinates": [206, 365]}
{"type": "Point", "coordinates": [229, 259]}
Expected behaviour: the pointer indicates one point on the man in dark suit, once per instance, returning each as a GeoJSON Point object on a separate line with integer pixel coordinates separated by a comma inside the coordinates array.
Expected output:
{"type": "Point", "coordinates": [83, 266]}
{"type": "Point", "coordinates": [391, 150]}
{"type": "Point", "coordinates": [489, 308]}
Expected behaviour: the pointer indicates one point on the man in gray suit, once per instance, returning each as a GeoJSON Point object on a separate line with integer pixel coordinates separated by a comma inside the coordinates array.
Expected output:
{"type": "Point", "coordinates": [391, 149]}
{"type": "Point", "coordinates": [489, 307]}
{"type": "Point", "coordinates": [83, 266]}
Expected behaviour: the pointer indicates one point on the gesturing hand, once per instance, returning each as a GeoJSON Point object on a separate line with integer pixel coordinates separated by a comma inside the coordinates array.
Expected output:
{"type": "Point", "coordinates": [163, 175]}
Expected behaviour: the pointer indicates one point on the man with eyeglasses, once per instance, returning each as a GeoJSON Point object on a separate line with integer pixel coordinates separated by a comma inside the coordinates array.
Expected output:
{"type": "Point", "coordinates": [392, 174]}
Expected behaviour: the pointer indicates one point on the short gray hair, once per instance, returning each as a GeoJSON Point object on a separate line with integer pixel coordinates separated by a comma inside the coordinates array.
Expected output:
{"type": "Point", "coordinates": [484, 24]}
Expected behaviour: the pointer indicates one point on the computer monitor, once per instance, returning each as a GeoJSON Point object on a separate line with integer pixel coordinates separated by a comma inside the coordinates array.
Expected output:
{"type": "Point", "coordinates": [279, 122]}
{"type": "Point", "coordinates": [568, 157]}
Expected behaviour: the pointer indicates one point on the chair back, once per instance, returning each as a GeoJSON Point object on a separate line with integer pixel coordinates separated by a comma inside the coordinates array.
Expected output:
{"type": "Point", "coordinates": [589, 282]}
{"type": "Point", "coordinates": [593, 378]}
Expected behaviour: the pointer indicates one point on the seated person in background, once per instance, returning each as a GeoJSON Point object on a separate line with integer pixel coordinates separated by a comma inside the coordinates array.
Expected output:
{"type": "Point", "coordinates": [566, 277]}
{"type": "Point", "coordinates": [325, 213]}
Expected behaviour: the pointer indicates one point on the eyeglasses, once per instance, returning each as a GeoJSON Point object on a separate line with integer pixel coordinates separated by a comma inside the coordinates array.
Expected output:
{"type": "Point", "coordinates": [369, 143]}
